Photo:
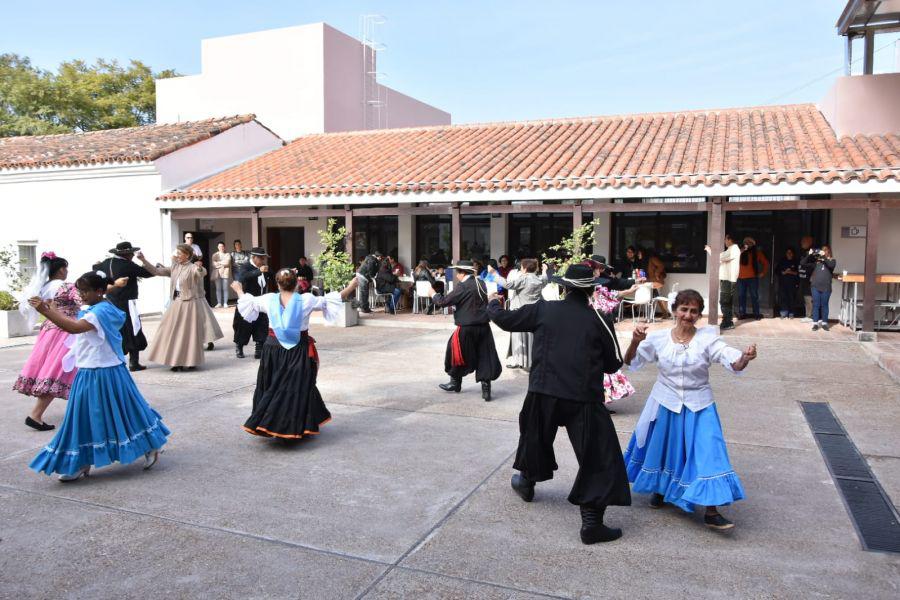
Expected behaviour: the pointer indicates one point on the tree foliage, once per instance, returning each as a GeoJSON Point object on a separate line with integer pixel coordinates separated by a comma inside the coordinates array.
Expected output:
{"type": "Point", "coordinates": [77, 97]}
{"type": "Point", "coordinates": [334, 264]}
{"type": "Point", "coordinates": [571, 250]}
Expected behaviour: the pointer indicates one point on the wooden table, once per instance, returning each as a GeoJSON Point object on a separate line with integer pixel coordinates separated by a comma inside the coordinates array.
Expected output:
{"type": "Point", "coordinates": [850, 302]}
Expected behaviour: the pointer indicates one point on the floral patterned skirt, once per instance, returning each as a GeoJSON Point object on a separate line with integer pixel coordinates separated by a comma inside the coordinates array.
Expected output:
{"type": "Point", "coordinates": [43, 374]}
{"type": "Point", "coordinates": [616, 387]}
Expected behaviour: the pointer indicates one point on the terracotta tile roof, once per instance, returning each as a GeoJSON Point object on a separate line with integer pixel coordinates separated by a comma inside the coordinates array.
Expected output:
{"type": "Point", "coordinates": [130, 144]}
{"type": "Point", "coordinates": [697, 148]}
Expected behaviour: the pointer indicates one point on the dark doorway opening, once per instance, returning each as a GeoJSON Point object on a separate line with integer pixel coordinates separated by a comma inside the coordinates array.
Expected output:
{"type": "Point", "coordinates": [775, 232]}
{"type": "Point", "coordinates": [285, 246]}
{"type": "Point", "coordinates": [207, 241]}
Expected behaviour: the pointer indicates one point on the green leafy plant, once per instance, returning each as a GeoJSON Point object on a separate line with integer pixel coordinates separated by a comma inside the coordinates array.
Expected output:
{"type": "Point", "coordinates": [12, 275]}
{"type": "Point", "coordinates": [333, 263]}
{"type": "Point", "coordinates": [8, 301]}
{"type": "Point", "coordinates": [571, 250]}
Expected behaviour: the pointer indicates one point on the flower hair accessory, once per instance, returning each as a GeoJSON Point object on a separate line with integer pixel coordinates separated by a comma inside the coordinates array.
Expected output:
{"type": "Point", "coordinates": [48, 255]}
{"type": "Point", "coordinates": [100, 274]}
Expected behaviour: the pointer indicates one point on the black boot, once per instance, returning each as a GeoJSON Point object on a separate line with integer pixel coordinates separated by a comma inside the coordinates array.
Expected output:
{"type": "Point", "coordinates": [257, 351]}
{"type": "Point", "coordinates": [486, 390]}
{"type": "Point", "coordinates": [134, 363]}
{"type": "Point", "coordinates": [210, 346]}
{"type": "Point", "coordinates": [592, 528]}
{"type": "Point", "coordinates": [523, 486]}
{"type": "Point", "coordinates": [239, 351]}
{"type": "Point", "coordinates": [454, 385]}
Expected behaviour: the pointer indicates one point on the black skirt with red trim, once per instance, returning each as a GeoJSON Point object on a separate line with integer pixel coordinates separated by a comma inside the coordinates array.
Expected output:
{"type": "Point", "coordinates": [471, 349]}
{"type": "Point", "coordinates": [287, 404]}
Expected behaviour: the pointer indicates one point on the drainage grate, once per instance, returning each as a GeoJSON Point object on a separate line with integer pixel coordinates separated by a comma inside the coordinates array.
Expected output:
{"type": "Point", "coordinates": [873, 515]}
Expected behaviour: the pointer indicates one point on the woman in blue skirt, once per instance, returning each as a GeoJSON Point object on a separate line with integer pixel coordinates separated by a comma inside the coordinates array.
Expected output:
{"type": "Point", "coordinates": [107, 420]}
{"type": "Point", "coordinates": [677, 452]}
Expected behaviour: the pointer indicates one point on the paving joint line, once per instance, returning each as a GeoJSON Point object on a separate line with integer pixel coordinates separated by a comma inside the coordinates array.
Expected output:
{"type": "Point", "coordinates": [480, 582]}
{"type": "Point", "coordinates": [428, 534]}
{"type": "Point", "coordinates": [222, 530]}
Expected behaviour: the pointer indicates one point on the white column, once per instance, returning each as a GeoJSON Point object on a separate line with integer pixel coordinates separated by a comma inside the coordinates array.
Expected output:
{"type": "Point", "coordinates": [499, 236]}
{"type": "Point", "coordinates": [406, 242]}
{"type": "Point", "coordinates": [602, 235]}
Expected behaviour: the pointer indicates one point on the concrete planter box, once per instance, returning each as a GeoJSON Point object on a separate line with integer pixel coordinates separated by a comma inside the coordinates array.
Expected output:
{"type": "Point", "coordinates": [13, 324]}
{"type": "Point", "coordinates": [348, 317]}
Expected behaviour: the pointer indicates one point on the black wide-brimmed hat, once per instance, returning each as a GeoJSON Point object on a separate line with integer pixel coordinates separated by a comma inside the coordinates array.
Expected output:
{"type": "Point", "coordinates": [599, 259]}
{"type": "Point", "coordinates": [577, 276]}
{"type": "Point", "coordinates": [124, 248]}
{"type": "Point", "coordinates": [464, 265]}
{"type": "Point", "coordinates": [258, 251]}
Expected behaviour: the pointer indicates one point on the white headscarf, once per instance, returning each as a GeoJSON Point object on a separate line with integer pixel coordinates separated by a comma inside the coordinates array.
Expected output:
{"type": "Point", "coordinates": [34, 288]}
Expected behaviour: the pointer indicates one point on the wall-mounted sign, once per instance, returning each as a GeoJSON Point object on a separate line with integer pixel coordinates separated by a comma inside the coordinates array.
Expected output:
{"type": "Point", "coordinates": [207, 224]}
{"type": "Point", "coordinates": [853, 231]}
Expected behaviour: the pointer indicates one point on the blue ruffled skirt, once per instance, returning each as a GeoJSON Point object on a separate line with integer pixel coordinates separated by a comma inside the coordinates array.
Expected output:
{"type": "Point", "coordinates": [685, 460]}
{"type": "Point", "coordinates": [107, 420]}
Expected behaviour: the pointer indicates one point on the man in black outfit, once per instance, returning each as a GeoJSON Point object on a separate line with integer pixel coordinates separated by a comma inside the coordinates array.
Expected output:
{"type": "Point", "coordinates": [471, 347]}
{"type": "Point", "coordinates": [364, 276]}
{"type": "Point", "coordinates": [125, 298]}
{"type": "Point", "coordinates": [574, 346]}
{"type": "Point", "coordinates": [254, 279]}
{"type": "Point", "coordinates": [304, 270]}
{"type": "Point", "coordinates": [603, 276]}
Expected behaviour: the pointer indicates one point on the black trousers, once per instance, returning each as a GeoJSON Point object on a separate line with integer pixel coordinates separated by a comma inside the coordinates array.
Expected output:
{"type": "Point", "coordinates": [258, 330]}
{"type": "Point", "coordinates": [726, 301]}
{"type": "Point", "coordinates": [601, 479]}
{"type": "Point", "coordinates": [479, 354]}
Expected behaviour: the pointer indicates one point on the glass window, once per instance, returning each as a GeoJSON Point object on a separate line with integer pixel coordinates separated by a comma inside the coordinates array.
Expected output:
{"type": "Point", "coordinates": [374, 233]}
{"type": "Point", "coordinates": [530, 234]}
{"type": "Point", "coordinates": [677, 237]}
{"type": "Point", "coordinates": [27, 259]}
{"type": "Point", "coordinates": [433, 239]}
{"type": "Point", "coordinates": [476, 236]}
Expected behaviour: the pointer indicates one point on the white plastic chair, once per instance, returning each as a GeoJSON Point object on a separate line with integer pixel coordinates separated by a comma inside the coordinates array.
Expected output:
{"type": "Point", "coordinates": [376, 298]}
{"type": "Point", "coordinates": [421, 293]}
{"type": "Point", "coordinates": [643, 299]}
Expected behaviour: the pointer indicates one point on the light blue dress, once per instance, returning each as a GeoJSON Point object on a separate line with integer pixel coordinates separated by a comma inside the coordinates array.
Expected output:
{"type": "Point", "coordinates": [678, 448]}
{"type": "Point", "coordinates": [107, 419]}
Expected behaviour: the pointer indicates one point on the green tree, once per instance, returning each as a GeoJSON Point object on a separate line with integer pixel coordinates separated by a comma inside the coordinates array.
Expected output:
{"type": "Point", "coordinates": [571, 250]}
{"type": "Point", "coordinates": [78, 97]}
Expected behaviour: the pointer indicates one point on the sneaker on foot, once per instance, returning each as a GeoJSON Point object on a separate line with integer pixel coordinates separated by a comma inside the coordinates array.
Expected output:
{"type": "Point", "coordinates": [815, 327]}
{"type": "Point", "coordinates": [718, 522]}
{"type": "Point", "coordinates": [825, 326]}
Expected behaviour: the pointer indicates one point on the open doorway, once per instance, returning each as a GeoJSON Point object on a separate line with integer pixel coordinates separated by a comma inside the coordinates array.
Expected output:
{"type": "Point", "coordinates": [285, 245]}
{"type": "Point", "coordinates": [775, 232]}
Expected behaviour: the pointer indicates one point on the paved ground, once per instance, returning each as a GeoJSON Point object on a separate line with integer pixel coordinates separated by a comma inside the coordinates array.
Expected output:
{"type": "Point", "coordinates": [406, 493]}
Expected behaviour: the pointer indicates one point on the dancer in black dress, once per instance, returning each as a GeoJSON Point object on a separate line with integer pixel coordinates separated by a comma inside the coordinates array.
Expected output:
{"type": "Point", "coordinates": [287, 404]}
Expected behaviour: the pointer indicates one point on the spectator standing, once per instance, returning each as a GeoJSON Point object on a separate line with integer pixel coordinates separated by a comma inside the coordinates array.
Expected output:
{"type": "Point", "coordinates": [503, 266]}
{"type": "Point", "coordinates": [368, 269]}
{"type": "Point", "coordinates": [820, 264]}
{"type": "Point", "coordinates": [753, 266]}
{"type": "Point", "coordinates": [304, 270]}
{"type": "Point", "coordinates": [240, 258]}
{"type": "Point", "coordinates": [729, 263]}
{"type": "Point", "coordinates": [803, 273]}
{"type": "Point", "coordinates": [220, 274]}
{"type": "Point", "coordinates": [189, 240]}
{"type": "Point", "coordinates": [788, 284]}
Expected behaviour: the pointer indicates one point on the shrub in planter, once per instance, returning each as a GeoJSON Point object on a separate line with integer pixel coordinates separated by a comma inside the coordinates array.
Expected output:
{"type": "Point", "coordinates": [8, 301]}
{"type": "Point", "coordinates": [336, 267]}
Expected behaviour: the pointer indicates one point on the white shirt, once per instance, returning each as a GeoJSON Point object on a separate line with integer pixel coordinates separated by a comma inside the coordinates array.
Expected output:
{"type": "Point", "coordinates": [249, 306]}
{"type": "Point", "coordinates": [197, 251]}
{"type": "Point", "coordinates": [91, 349]}
{"type": "Point", "coordinates": [730, 264]}
{"type": "Point", "coordinates": [683, 379]}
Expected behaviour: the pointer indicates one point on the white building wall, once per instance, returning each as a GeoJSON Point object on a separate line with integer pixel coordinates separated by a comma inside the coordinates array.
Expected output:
{"type": "Point", "coordinates": [80, 213]}
{"type": "Point", "coordinates": [216, 154]}
{"type": "Point", "coordinates": [406, 241]}
{"type": "Point", "coordinates": [296, 80]}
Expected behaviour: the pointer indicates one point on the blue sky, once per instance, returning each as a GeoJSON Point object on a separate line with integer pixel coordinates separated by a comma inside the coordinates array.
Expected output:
{"type": "Point", "coordinates": [495, 60]}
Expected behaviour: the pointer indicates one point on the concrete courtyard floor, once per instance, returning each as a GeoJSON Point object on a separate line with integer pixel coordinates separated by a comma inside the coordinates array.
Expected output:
{"type": "Point", "coordinates": [405, 494]}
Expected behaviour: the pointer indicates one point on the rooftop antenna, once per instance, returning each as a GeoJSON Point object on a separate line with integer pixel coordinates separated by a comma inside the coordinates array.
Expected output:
{"type": "Point", "coordinates": [374, 98]}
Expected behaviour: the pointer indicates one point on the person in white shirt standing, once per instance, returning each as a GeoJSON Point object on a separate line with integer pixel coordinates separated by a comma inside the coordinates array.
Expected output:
{"type": "Point", "coordinates": [677, 452]}
{"type": "Point", "coordinates": [189, 240]}
{"type": "Point", "coordinates": [729, 269]}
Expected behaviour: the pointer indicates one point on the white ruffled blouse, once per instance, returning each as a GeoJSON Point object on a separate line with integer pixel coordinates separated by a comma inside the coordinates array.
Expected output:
{"type": "Point", "coordinates": [249, 306]}
{"type": "Point", "coordinates": [683, 379]}
{"type": "Point", "coordinates": [90, 350]}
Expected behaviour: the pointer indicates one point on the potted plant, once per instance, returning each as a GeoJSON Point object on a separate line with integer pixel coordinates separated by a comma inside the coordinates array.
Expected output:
{"type": "Point", "coordinates": [571, 250]}
{"type": "Point", "coordinates": [12, 322]}
{"type": "Point", "coordinates": [336, 268]}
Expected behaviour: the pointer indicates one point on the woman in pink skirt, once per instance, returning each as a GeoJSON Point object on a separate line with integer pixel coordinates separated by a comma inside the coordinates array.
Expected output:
{"type": "Point", "coordinates": [43, 376]}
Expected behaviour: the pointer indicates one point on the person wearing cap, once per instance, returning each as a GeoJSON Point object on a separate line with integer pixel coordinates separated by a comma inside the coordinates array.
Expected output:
{"type": "Point", "coordinates": [471, 347]}
{"type": "Point", "coordinates": [255, 279]}
{"type": "Point", "coordinates": [574, 346]}
{"type": "Point", "coordinates": [122, 264]}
